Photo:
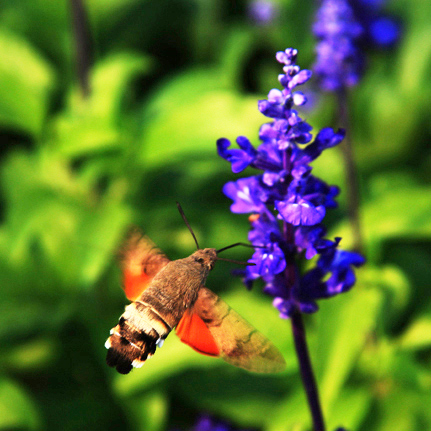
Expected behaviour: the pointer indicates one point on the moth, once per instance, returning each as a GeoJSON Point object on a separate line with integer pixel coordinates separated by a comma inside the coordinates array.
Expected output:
{"type": "Point", "coordinates": [171, 294]}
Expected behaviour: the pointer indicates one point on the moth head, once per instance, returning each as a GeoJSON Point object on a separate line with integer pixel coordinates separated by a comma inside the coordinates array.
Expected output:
{"type": "Point", "coordinates": [205, 257]}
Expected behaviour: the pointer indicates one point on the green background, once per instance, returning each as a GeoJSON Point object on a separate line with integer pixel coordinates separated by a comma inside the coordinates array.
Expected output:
{"type": "Point", "coordinates": [168, 78]}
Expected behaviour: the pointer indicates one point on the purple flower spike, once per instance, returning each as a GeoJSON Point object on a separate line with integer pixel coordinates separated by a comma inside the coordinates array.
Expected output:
{"type": "Point", "coordinates": [338, 60]}
{"type": "Point", "coordinates": [288, 204]}
{"type": "Point", "coordinates": [340, 27]}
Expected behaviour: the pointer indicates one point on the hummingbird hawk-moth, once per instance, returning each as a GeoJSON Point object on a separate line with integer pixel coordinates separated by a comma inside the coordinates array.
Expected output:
{"type": "Point", "coordinates": [171, 294]}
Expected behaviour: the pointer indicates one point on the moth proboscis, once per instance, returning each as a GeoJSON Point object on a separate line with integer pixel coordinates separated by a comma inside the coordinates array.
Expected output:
{"type": "Point", "coordinates": [167, 294]}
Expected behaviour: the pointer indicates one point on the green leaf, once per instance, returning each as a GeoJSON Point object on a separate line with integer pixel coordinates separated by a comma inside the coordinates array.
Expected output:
{"type": "Point", "coordinates": [149, 411]}
{"type": "Point", "coordinates": [17, 410]}
{"type": "Point", "coordinates": [188, 115]}
{"type": "Point", "coordinates": [234, 55]}
{"type": "Point", "coordinates": [32, 355]}
{"type": "Point", "coordinates": [290, 413]}
{"type": "Point", "coordinates": [246, 399]}
{"type": "Point", "coordinates": [26, 315]}
{"type": "Point", "coordinates": [75, 232]}
{"type": "Point", "coordinates": [402, 212]}
{"type": "Point", "coordinates": [352, 407]}
{"type": "Point", "coordinates": [398, 410]}
{"type": "Point", "coordinates": [94, 123]}
{"type": "Point", "coordinates": [26, 80]}
{"type": "Point", "coordinates": [110, 81]}
{"type": "Point", "coordinates": [33, 19]}
{"type": "Point", "coordinates": [343, 325]}
{"type": "Point", "coordinates": [395, 286]}
{"type": "Point", "coordinates": [100, 232]}
{"type": "Point", "coordinates": [418, 335]}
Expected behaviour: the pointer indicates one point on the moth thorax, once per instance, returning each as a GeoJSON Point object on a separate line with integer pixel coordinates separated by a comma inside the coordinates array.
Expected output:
{"type": "Point", "coordinates": [206, 257]}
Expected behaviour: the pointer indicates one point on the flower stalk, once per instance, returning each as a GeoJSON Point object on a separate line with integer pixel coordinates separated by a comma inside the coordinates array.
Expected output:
{"type": "Point", "coordinates": [306, 370]}
{"type": "Point", "coordinates": [288, 205]}
{"type": "Point", "coordinates": [351, 175]}
{"type": "Point", "coordinates": [83, 44]}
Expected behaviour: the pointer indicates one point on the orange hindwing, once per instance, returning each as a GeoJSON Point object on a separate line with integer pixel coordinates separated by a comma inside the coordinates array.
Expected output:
{"type": "Point", "coordinates": [213, 328]}
{"type": "Point", "coordinates": [141, 261]}
{"type": "Point", "coordinates": [192, 331]}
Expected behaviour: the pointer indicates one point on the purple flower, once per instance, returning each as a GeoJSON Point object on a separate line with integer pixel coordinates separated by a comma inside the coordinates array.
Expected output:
{"type": "Point", "coordinates": [307, 238]}
{"type": "Point", "coordinates": [206, 423]}
{"type": "Point", "coordinates": [300, 212]}
{"type": "Point", "coordinates": [380, 29]}
{"type": "Point", "coordinates": [288, 204]}
{"type": "Point", "coordinates": [338, 59]}
{"type": "Point", "coordinates": [262, 12]}
{"type": "Point", "coordinates": [240, 159]}
{"type": "Point", "coordinates": [284, 306]}
{"type": "Point", "coordinates": [246, 194]}
{"type": "Point", "coordinates": [342, 27]}
{"type": "Point", "coordinates": [267, 261]}
{"type": "Point", "coordinates": [384, 31]}
{"type": "Point", "coordinates": [339, 263]}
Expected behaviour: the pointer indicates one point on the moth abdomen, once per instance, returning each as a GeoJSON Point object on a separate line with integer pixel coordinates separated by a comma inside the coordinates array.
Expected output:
{"type": "Point", "coordinates": [135, 338]}
{"type": "Point", "coordinates": [129, 347]}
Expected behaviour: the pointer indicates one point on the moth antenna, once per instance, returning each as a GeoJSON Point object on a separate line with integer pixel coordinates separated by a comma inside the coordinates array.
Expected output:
{"type": "Point", "coordinates": [237, 261]}
{"type": "Point", "coordinates": [187, 224]}
{"type": "Point", "coordinates": [239, 243]}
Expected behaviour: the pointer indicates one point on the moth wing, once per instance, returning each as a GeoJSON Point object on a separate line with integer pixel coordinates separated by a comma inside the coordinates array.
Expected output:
{"type": "Point", "coordinates": [141, 260]}
{"type": "Point", "coordinates": [212, 322]}
{"type": "Point", "coordinates": [193, 331]}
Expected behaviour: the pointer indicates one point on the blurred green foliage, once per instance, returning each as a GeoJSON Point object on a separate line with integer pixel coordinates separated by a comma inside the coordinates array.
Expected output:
{"type": "Point", "coordinates": [168, 78]}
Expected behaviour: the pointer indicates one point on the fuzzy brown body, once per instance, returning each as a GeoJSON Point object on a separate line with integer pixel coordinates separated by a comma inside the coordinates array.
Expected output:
{"type": "Point", "coordinates": [148, 320]}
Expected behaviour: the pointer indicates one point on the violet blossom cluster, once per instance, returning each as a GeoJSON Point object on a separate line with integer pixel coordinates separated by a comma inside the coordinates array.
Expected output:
{"type": "Point", "coordinates": [338, 59]}
{"type": "Point", "coordinates": [380, 29]}
{"type": "Point", "coordinates": [343, 28]}
{"type": "Point", "coordinates": [287, 202]}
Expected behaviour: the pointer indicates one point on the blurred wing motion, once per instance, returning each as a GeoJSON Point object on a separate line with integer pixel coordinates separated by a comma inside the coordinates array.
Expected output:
{"type": "Point", "coordinates": [141, 261]}
{"type": "Point", "coordinates": [213, 328]}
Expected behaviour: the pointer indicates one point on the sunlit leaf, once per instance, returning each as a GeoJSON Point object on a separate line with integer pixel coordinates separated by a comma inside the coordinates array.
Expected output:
{"type": "Point", "coordinates": [352, 407]}
{"type": "Point", "coordinates": [26, 80]}
{"type": "Point", "coordinates": [77, 233]}
{"type": "Point", "coordinates": [403, 212]}
{"type": "Point", "coordinates": [188, 115]}
{"type": "Point", "coordinates": [418, 335]}
{"type": "Point", "coordinates": [398, 410]}
{"type": "Point", "coordinates": [290, 414]}
{"type": "Point", "coordinates": [149, 411]}
{"type": "Point", "coordinates": [17, 409]}
{"type": "Point", "coordinates": [343, 323]}
{"type": "Point", "coordinates": [93, 124]}
{"type": "Point", "coordinates": [35, 354]}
